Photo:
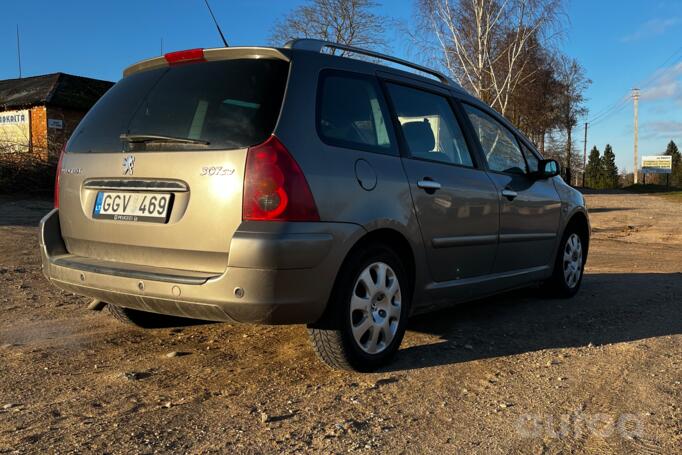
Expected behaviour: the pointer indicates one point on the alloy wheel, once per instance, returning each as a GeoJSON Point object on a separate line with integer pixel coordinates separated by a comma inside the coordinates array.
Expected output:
{"type": "Point", "coordinates": [375, 308]}
{"type": "Point", "coordinates": [573, 260]}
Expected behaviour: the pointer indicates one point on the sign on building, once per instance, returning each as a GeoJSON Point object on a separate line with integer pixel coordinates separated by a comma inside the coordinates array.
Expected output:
{"type": "Point", "coordinates": [55, 123]}
{"type": "Point", "coordinates": [15, 131]}
{"type": "Point", "coordinates": [657, 164]}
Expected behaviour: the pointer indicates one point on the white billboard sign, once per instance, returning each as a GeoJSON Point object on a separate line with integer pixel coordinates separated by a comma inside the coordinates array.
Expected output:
{"type": "Point", "coordinates": [657, 164]}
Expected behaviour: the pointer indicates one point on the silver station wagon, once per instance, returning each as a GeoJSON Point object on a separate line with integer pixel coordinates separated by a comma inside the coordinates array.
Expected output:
{"type": "Point", "coordinates": [292, 186]}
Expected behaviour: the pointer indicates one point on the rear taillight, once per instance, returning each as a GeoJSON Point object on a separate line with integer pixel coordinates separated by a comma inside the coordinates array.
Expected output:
{"type": "Point", "coordinates": [56, 178]}
{"type": "Point", "coordinates": [275, 188]}
{"type": "Point", "coordinates": [188, 56]}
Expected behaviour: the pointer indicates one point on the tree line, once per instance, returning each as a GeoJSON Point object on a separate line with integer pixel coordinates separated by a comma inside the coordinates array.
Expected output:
{"type": "Point", "coordinates": [601, 172]}
{"type": "Point", "coordinates": [502, 51]}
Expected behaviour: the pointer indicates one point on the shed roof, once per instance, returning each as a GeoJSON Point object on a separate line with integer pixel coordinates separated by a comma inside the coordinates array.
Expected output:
{"type": "Point", "coordinates": [56, 89]}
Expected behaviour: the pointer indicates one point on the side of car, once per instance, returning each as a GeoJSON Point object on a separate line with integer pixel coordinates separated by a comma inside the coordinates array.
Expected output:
{"type": "Point", "coordinates": [451, 198]}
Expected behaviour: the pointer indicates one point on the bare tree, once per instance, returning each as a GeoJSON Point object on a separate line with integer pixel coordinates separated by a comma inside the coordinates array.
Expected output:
{"type": "Point", "coordinates": [556, 148]}
{"type": "Point", "coordinates": [485, 43]}
{"type": "Point", "coordinates": [349, 22]}
{"type": "Point", "coordinates": [571, 105]}
{"type": "Point", "coordinates": [534, 104]}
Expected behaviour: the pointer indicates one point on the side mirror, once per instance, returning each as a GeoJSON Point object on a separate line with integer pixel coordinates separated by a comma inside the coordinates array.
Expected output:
{"type": "Point", "coordinates": [547, 169]}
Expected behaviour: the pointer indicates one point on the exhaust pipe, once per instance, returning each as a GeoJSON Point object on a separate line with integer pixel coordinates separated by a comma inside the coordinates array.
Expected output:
{"type": "Point", "coordinates": [96, 305]}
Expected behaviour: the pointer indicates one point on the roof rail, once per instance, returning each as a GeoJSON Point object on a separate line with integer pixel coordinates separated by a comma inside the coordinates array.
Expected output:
{"type": "Point", "coordinates": [315, 45]}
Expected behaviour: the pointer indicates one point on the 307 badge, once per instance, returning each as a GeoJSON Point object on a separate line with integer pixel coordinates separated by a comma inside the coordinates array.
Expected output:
{"type": "Point", "coordinates": [216, 171]}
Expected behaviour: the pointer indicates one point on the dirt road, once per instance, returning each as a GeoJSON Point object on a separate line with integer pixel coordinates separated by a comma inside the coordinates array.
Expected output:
{"type": "Point", "coordinates": [600, 373]}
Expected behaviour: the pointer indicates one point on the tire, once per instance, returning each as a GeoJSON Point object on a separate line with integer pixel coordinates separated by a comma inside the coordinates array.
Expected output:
{"type": "Point", "coordinates": [147, 320]}
{"type": "Point", "coordinates": [366, 318]}
{"type": "Point", "coordinates": [569, 266]}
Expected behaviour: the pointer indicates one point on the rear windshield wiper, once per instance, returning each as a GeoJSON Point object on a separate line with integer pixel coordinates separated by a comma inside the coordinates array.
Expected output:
{"type": "Point", "coordinates": [159, 138]}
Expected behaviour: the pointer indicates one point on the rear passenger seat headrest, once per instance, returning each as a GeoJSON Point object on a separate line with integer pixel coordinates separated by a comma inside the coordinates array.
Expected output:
{"type": "Point", "coordinates": [419, 136]}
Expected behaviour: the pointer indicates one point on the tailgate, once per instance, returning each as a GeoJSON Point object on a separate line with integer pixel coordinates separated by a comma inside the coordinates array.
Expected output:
{"type": "Point", "coordinates": [205, 207]}
{"type": "Point", "coordinates": [153, 174]}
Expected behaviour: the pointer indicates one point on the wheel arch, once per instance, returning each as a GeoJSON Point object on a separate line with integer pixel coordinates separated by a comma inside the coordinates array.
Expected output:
{"type": "Point", "coordinates": [397, 242]}
{"type": "Point", "coordinates": [393, 239]}
{"type": "Point", "coordinates": [579, 221]}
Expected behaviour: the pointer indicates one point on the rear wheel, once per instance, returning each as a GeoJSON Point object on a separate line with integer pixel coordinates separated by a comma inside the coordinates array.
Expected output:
{"type": "Point", "coordinates": [147, 320]}
{"type": "Point", "coordinates": [569, 266]}
{"type": "Point", "coordinates": [367, 313]}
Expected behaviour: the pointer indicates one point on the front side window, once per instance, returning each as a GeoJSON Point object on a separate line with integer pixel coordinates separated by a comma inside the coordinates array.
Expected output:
{"type": "Point", "coordinates": [531, 158]}
{"type": "Point", "coordinates": [499, 145]}
{"type": "Point", "coordinates": [351, 113]}
{"type": "Point", "coordinates": [429, 126]}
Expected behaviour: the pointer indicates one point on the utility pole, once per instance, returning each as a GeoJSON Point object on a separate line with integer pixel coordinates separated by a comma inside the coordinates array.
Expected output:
{"type": "Point", "coordinates": [18, 51]}
{"type": "Point", "coordinates": [585, 155]}
{"type": "Point", "coordinates": [635, 98]}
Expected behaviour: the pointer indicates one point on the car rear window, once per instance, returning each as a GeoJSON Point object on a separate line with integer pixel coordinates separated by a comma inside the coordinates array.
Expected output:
{"type": "Point", "coordinates": [227, 104]}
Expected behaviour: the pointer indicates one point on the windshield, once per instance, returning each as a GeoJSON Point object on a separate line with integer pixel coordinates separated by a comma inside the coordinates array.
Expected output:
{"type": "Point", "coordinates": [224, 104]}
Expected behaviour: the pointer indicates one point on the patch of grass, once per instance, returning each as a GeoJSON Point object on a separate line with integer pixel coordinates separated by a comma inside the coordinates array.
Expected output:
{"type": "Point", "coordinates": [650, 188]}
{"type": "Point", "coordinates": [675, 196]}
{"type": "Point", "coordinates": [672, 194]}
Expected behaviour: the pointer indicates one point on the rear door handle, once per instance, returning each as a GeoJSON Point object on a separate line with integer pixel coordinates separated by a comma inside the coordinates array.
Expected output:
{"type": "Point", "coordinates": [509, 194]}
{"type": "Point", "coordinates": [429, 185]}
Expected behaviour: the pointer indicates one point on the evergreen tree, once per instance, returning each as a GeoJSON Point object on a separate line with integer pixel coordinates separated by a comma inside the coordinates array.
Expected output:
{"type": "Point", "coordinates": [676, 177]}
{"type": "Point", "coordinates": [593, 171]}
{"type": "Point", "coordinates": [610, 170]}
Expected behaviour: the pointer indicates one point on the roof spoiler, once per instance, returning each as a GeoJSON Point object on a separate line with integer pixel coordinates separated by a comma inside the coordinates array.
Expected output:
{"type": "Point", "coordinates": [220, 53]}
{"type": "Point", "coordinates": [314, 45]}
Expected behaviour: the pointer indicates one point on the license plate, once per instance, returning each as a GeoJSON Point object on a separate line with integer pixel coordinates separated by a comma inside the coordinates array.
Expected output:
{"type": "Point", "coordinates": [151, 207]}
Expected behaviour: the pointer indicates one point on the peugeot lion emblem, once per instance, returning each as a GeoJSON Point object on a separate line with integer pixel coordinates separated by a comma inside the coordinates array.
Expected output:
{"type": "Point", "coordinates": [128, 165]}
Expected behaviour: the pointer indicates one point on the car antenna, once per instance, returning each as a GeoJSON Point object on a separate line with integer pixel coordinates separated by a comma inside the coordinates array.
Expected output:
{"type": "Point", "coordinates": [216, 24]}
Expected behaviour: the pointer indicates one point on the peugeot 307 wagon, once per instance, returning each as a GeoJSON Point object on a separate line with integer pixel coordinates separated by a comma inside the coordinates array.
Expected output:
{"type": "Point", "coordinates": [294, 186]}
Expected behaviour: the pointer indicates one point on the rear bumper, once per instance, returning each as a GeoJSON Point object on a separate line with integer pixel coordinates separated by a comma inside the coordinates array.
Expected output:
{"type": "Point", "coordinates": [277, 273]}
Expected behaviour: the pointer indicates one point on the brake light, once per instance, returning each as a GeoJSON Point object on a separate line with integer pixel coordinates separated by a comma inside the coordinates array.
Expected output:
{"type": "Point", "coordinates": [56, 178]}
{"type": "Point", "coordinates": [275, 188]}
{"type": "Point", "coordinates": [188, 56]}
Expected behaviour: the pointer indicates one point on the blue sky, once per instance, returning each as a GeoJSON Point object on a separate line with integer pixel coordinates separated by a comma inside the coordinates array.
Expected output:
{"type": "Point", "coordinates": [621, 44]}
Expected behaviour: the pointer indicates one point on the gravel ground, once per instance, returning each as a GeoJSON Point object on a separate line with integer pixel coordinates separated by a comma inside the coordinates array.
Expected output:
{"type": "Point", "coordinates": [600, 373]}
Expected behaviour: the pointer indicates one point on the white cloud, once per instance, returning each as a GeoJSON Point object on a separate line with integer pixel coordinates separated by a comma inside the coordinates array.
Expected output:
{"type": "Point", "coordinates": [663, 91]}
{"type": "Point", "coordinates": [666, 86]}
{"type": "Point", "coordinates": [652, 27]}
{"type": "Point", "coordinates": [661, 129]}
{"type": "Point", "coordinates": [664, 127]}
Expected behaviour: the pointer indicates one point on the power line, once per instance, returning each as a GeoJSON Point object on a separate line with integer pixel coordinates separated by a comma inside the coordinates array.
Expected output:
{"type": "Point", "coordinates": [607, 109]}
{"type": "Point", "coordinates": [657, 74]}
{"type": "Point", "coordinates": [623, 102]}
{"type": "Point", "coordinates": [616, 109]}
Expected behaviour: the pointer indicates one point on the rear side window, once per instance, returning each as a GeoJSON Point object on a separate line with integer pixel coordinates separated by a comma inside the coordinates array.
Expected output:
{"type": "Point", "coordinates": [429, 126]}
{"type": "Point", "coordinates": [499, 145]}
{"type": "Point", "coordinates": [228, 104]}
{"type": "Point", "coordinates": [352, 114]}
